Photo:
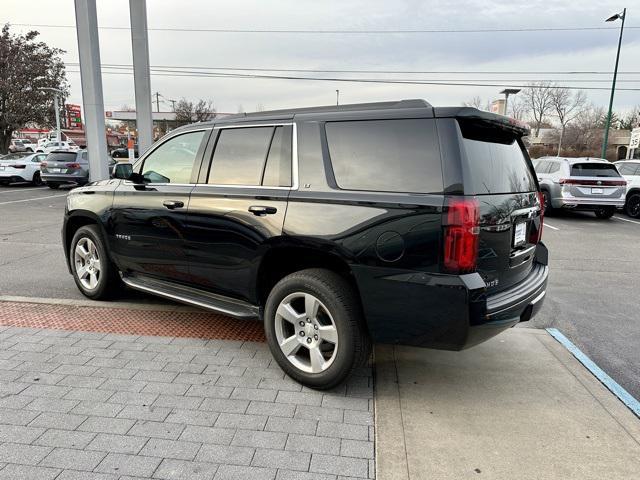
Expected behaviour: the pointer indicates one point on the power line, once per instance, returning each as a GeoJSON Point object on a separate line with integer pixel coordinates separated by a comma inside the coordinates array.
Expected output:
{"type": "Point", "coordinates": [341, 32]}
{"type": "Point", "coordinates": [353, 80]}
{"type": "Point", "coordinates": [435, 72]}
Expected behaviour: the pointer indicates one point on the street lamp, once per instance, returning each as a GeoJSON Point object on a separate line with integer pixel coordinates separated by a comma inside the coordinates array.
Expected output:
{"type": "Point", "coordinates": [506, 92]}
{"type": "Point", "coordinates": [613, 18]}
{"type": "Point", "coordinates": [56, 92]}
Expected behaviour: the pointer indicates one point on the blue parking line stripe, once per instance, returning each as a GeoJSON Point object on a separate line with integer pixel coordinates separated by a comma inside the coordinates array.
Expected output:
{"type": "Point", "coordinates": [615, 388]}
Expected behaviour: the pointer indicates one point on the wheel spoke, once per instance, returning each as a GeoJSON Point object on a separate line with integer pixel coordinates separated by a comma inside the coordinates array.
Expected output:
{"type": "Point", "coordinates": [328, 333]}
{"type": "Point", "coordinates": [82, 251]}
{"type": "Point", "coordinates": [317, 360]}
{"type": "Point", "coordinates": [287, 312]}
{"type": "Point", "coordinates": [96, 265]}
{"type": "Point", "coordinates": [82, 271]}
{"type": "Point", "coordinates": [290, 346]}
{"type": "Point", "coordinates": [311, 305]}
{"type": "Point", "coordinates": [93, 280]}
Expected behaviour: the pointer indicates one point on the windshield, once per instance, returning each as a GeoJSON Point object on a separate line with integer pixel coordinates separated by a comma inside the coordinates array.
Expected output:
{"type": "Point", "coordinates": [594, 170]}
{"type": "Point", "coordinates": [495, 161]}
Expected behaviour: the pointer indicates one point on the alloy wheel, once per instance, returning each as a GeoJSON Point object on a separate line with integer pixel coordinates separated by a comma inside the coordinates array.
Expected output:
{"type": "Point", "coordinates": [87, 263]}
{"type": "Point", "coordinates": [306, 332]}
{"type": "Point", "coordinates": [633, 206]}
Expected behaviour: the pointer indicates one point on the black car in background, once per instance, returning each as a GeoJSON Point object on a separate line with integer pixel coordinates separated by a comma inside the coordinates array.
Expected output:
{"type": "Point", "coordinates": [123, 152]}
{"type": "Point", "coordinates": [337, 226]}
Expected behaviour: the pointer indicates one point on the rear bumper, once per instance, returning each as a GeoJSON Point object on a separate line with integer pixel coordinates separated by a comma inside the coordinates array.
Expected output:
{"type": "Point", "coordinates": [79, 180]}
{"type": "Point", "coordinates": [449, 312]}
{"type": "Point", "coordinates": [587, 203]}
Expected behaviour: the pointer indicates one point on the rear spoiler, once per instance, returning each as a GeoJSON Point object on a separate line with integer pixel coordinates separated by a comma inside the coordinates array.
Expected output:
{"type": "Point", "coordinates": [473, 115]}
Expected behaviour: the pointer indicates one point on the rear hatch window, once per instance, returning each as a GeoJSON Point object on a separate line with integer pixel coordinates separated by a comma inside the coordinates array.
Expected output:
{"type": "Point", "coordinates": [495, 161]}
{"type": "Point", "coordinates": [594, 170]}
{"type": "Point", "coordinates": [61, 157]}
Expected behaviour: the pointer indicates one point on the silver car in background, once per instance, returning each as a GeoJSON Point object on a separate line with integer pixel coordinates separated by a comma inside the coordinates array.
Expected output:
{"type": "Point", "coordinates": [582, 183]}
{"type": "Point", "coordinates": [61, 168]}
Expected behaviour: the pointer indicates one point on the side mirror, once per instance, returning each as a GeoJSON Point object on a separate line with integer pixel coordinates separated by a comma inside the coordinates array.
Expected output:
{"type": "Point", "coordinates": [122, 170]}
{"type": "Point", "coordinates": [137, 178]}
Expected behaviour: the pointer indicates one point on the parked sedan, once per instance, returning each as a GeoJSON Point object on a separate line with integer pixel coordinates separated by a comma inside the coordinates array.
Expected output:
{"type": "Point", "coordinates": [630, 170]}
{"type": "Point", "coordinates": [61, 168]}
{"type": "Point", "coordinates": [123, 152]}
{"type": "Point", "coordinates": [582, 183]}
{"type": "Point", "coordinates": [16, 145]}
{"type": "Point", "coordinates": [20, 167]}
{"type": "Point", "coordinates": [58, 147]}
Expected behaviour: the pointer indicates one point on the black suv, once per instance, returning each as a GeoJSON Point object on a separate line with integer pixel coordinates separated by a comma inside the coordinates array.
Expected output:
{"type": "Point", "coordinates": [337, 226]}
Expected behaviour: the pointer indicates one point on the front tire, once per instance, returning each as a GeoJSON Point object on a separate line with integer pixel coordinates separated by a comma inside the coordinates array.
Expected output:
{"type": "Point", "coordinates": [314, 328]}
{"type": "Point", "coordinates": [632, 206]}
{"type": "Point", "coordinates": [605, 212]}
{"type": "Point", "coordinates": [95, 276]}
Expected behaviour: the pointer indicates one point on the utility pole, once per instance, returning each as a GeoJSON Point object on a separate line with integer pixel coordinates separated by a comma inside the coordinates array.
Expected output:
{"type": "Point", "coordinates": [173, 105]}
{"type": "Point", "coordinates": [91, 79]}
{"type": "Point", "coordinates": [337, 97]}
{"type": "Point", "coordinates": [620, 16]}
{"type": "Point", "coordinates": [141, 76]}
{"type": "Point", "coordinates": [157, 95]}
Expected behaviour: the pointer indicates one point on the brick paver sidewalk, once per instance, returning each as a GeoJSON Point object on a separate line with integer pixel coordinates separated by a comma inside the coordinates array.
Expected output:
{"type": "Point", "coordinates": [105, 406]}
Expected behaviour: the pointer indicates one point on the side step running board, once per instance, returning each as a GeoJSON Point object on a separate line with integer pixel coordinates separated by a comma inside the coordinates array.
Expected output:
{"type": "Point", "coordinates": [192, 296]}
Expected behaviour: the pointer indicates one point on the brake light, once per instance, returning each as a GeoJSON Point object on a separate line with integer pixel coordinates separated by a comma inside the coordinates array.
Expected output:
{"type": "Point", "coordinates": [19, 166]}
{"type": "Point", "coordinates": [43, 164]}
{"type": "Point", "coordinates": [73, 165]}
{"type": "Point", "coordinates": [461, 234]}
{"type": "Point", "coordinates": [597, 183]}
{"type": "Point", "coordinates": [536, 235]}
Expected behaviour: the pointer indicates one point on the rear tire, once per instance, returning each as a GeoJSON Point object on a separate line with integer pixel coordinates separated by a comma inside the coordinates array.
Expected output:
{"type": "Point", "coordinates": [94, 273]}
{"type": "Point", "coordinates": [632, 206]}
{"type": "Point", "coordinates": [36, 180]}
{"type": "Point", "coordinates": [547, 201]}
{"type": "Point", "coordinates": [605, 212]}
{"type": "Point", "coordinates": [315, 316]}
{"type": "Point", "coordinates": [53, 186]}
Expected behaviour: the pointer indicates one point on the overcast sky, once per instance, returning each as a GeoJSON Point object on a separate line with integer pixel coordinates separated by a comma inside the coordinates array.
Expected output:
{"type": "Point", "coordinates": [592, 50]}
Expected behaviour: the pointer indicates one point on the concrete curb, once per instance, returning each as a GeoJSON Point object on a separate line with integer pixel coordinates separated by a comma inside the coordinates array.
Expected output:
{"type": "Point", "coordinates": [171, 307]}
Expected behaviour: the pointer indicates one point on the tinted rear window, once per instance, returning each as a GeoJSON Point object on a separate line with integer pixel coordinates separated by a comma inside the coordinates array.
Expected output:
{"type": "Point", "coordinates": [385, 155]}
{"type": "Point", "coordinates": [61, 157]}
{"type": "Point", "coordinates": [494, 161]}
{"type": "Point", "coordinates": [594, 170]}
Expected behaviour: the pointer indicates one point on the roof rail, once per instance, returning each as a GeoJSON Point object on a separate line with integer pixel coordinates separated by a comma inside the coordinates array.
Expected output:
{"type": "Point", "coordinates": [411, 103]}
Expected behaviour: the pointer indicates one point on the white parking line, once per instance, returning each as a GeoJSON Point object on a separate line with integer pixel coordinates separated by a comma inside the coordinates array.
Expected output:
{"type": "Point", "coordinates": [626, 220]}
{"type": "Point", "coordinates": [546, 224]}
{"type": "Point", "coordinates": [18, 190]}
{"type": "Point", "coordinates": [32, 199]}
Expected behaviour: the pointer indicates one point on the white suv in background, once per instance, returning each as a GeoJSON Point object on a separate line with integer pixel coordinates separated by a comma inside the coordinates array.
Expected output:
{"type": "Point", "coordinates": [58, 147]}
{"type": "Point", "coordinates": [630, 170]}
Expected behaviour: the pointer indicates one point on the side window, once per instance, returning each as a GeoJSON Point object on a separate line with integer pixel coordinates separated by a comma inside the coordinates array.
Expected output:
{"type": "Point", "coordinates": [555, 166]}
{"type": "Point", "coordinates": [173, 161]}
{"type": "Point", "coordinates": [84, 155]}
{"type": "Point", "coordinates": [240, 156]}
{"type": "Point", "coordinates": [544, 167]}
{"type": "Point", "coordinates": [277, 171]}
{"type": "Point", "coordinates": [385, 155]}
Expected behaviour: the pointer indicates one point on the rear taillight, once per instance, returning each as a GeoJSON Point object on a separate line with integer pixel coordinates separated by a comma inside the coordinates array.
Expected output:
{"type": "Point", "coordinates": [595, 183]}
{"type": "Point", "coordinates": [73, 165]}
{"type": "Point", "coordinates": [536, 235]}
{"type": "Point", "coordinates": [43, 164]}
{"type": "Point", "coordinates": [461, 234]}
{"type": "Point", "coordinates": [19, 166]}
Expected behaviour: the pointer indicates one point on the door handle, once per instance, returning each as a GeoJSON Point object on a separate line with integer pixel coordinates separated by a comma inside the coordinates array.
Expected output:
{"type": "Point", "coordinates": [172, 204]}
{"type": "Point", "coordinates": [260, 210]}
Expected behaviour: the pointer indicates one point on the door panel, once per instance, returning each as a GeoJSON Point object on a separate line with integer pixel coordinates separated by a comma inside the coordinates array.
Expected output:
{"type": "Point", "coordinates": [147, 237]}
{"type": "Point", "coordinates": [225, 240]}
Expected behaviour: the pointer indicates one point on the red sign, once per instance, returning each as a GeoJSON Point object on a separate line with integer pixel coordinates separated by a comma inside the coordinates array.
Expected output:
{"type": "Point", "coordinates": [74, 117]}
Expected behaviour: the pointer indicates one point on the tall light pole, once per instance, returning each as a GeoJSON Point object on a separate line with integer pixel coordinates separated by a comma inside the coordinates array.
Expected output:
{"type": "Point", "coordinates": [506, 92]}
{"type": "Point", "coordinates": [56, 92]}
{"type": "Point", "coordinates": [617, 16]}
{"type": "Point", "coordinates": [337, 97]}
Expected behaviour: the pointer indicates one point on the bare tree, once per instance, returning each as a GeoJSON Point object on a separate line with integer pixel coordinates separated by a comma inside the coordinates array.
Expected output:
{"type": "Point", "coordinates": [189, 112]}
{"type": "Point", "coordinates": [567, 107]}
{"type": "Point", "coordinates": [26, 66]}
{"type": "Point", "coordinates": [475, 102]}
{"type": "Point", "coordinates": [518, 109]}
{"type": "Point", "coordinates": [204, 110]}
{"type": "Point", "coordinates": [537, 98]}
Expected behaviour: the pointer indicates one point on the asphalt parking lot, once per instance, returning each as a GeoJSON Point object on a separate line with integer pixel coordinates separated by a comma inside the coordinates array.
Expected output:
{"type": "Point", "coordinates": [592, 295]}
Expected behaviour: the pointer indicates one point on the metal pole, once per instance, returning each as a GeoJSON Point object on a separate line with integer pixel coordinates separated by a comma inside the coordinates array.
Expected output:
{"type": "Point", "coordinates": [613, 89]}
{"type": "Point", "coordinates": [57, 108]}
{"type": "Point", "coordinates": [141, 77]}
{"type": "Point", "coordinates": [506, 104]}
{"type": "Point", "coordinates": [337, 97]}
{"type": "Point", "coordinates": [91, 79]}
